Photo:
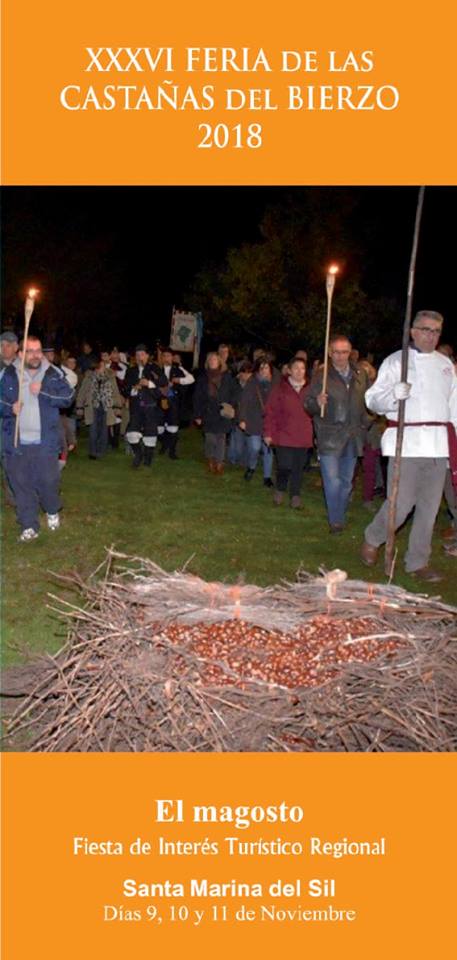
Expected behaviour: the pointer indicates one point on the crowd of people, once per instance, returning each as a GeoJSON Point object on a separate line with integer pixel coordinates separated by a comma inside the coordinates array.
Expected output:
{"type": "Point", "coordinates": [343, 414]}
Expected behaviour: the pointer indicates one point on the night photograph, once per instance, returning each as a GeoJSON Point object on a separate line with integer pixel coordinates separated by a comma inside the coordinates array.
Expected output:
{"type": "Point", "coordinates": [229, 468]}
{"type": "Point", "coordinates": [112, 262]}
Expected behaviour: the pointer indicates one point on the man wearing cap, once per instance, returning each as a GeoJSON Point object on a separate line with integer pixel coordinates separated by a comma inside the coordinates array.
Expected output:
{"type": "Point", "coordinates": [49, 353]}
{"type": "Point", "coordinates": [8, 353]}
{"type": "Point", "coordinates": [8, 348]}
{"type": "Point", "coordinates": [32, 465]}
{"type": "Point", "coordinates": [429, 439]}
{"type": "Point", "coordinates": [144, 385]}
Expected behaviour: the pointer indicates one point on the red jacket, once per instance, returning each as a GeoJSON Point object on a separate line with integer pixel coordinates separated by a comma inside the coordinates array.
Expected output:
{"type": "Point", "coordinates": [286, 421]}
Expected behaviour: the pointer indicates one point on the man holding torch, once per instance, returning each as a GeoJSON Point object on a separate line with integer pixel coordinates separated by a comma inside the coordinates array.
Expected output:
{"type": "Point", "coordinates": [32, 391]}
{"type": "Point", "coordinates": [336, 401]}
{"type": "Point", "coordinates": [340, 421]}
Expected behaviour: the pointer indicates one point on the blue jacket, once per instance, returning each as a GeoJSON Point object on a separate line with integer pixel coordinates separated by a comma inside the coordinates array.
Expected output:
{"type": "Point", "coordinates": [55, 393]}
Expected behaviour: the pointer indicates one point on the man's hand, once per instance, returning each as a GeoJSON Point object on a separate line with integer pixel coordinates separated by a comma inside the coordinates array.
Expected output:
{"type": "Point", "coordinates": [268, 441]}
{"type": "Point", "coordinates": [402, 391]}
{"type": "Point", "coordinates": [322, 399]}
{"type": "Point", "coordinates": [198, 421]}
{"type": "Point", "coordinates": [143, 382]}
{"type": "Point", "coordinates": [17, 407]}
{"type": "Point", "coordinates": [242, 424]}
{"type": "Point", "coordinates": [35, 388]}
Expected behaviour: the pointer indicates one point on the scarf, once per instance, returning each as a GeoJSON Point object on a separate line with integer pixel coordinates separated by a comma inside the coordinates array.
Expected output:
{"type": "Point", "coordinates": [214, 381]}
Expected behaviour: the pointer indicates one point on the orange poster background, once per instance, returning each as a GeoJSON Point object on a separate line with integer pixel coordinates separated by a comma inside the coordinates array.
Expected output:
{"type": "Point", "coordinates": [404, 901]}
{"type": "Point", "coordinates": [52, 900]}
{"type": "Point", "coordinates": [44, 50]}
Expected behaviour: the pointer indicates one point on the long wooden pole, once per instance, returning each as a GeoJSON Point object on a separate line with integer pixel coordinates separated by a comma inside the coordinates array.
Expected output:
{"type": "Point", "coordinates": [389, 561]}
{"type": "Point", "coordinates": [330, 286]}
{"type": "Point", "coordinates": [28, 310]}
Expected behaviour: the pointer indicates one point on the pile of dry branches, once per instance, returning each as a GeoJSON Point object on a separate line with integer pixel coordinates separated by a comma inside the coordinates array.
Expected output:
{"type": "Point", "coordinates": [322, 664]}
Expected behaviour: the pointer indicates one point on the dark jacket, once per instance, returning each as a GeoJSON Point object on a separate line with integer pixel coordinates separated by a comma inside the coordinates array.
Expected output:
{"type": "Point", "coordinates": [146, 396]}
{"type": "Point", "coordinates": [55, 393]}
{"type": "Point", "coordinates": [86, 361]}
{"type": "Point", "coordinates": [286, 420]}
{"type": "Point", "coordinates": [207, 405]}
{"type": "Point", "coordinates": [346, 417]}
{"type": "Point", "coordinates": [176, 373]}
{"type": "Point", "coordinates": [252, 405]}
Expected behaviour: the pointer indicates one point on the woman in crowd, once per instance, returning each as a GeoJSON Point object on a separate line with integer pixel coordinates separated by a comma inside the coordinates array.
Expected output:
{"type": "Point", "coordinates": [237, 451]}
{"type": "Point", "coordinates": [214, 410]}
{"type": "Point", "coordinates": [69, 415]}
{"type": "Point", "coordinates": [100, 402]}
{"type": "Point", "coordinates": [251, 413]}
{"type": "Point", "coordinates": [289, 429]}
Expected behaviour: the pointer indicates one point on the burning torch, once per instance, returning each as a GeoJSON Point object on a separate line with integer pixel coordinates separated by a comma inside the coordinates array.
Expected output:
{"type": "Point", "coordinates": [28, 310]}
{"type": "Point", "coordinates": [329, 286]}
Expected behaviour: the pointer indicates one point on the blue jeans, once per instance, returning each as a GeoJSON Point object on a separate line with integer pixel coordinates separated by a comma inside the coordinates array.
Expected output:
{"type": "Point", "coordinates": [237, 447]}
{"type": "Point", "coordinates": [337, 473]}
{"type": "Point", "coordinates": [34, 477]}
{"type": "Point", "coordinates": [98, 434]}
{"type": "Point", "coordinates": [255, 444]}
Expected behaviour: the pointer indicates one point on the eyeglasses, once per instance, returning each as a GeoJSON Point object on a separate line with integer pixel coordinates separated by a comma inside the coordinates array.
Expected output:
{"type": "Point", "coordinates": [430, 330]}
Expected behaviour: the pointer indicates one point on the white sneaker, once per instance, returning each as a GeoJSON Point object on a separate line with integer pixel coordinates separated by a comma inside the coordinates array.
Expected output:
{"type": "Point", "coordinates": [29, 534]}
{"type": "Point", "coordinates": [53, 521]}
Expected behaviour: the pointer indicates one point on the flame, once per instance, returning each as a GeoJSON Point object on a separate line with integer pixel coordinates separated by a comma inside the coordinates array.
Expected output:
{"type": "Point", "coordinates": [333, 269]}
{"type": "Point", "coordinates": [33, 292]}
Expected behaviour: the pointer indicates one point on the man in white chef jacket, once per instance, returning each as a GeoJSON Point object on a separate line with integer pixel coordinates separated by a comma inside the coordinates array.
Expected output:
{"type": "Point", "coordinates": [428, 440]}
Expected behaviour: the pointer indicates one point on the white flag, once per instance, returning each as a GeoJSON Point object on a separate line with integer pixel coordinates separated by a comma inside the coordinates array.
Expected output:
{"type": "Point", "coordinates": [183, 330]}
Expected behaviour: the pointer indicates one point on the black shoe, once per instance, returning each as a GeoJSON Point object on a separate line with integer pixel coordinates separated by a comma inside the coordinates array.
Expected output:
{"type": "Point", "coordinates": [137, 455]}
{"type": "Point", "coordinates": [164, 442]}
{"type": "Point", "coordinates": [268, 482]}
{"type": "Point", "coordinates": [172, 443]}
{"type": "Point", "coordinates": [248, 474]}
{"type": "Point", "coordinates": [336, 528]}
{"type": "Point", "coordinates": [92, 456]}
{"type": "Point", "coordinates": [148, 455]}
{"type": "Point", "coordinates": [426, 574]}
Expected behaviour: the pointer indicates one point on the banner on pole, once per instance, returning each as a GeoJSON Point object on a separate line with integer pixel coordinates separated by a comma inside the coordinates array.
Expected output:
{"type": "Point", "coordinates": [183, 330]}
{"type": "Point", "coordinates": [186, 333]}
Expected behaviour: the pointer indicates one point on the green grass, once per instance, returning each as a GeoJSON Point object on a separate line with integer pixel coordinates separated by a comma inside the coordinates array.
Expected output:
{"type": "Point", "coordinates": [173, 512]}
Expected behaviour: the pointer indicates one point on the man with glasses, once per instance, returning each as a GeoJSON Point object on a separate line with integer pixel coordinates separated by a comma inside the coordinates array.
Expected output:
{"type": "Point", "coordinates": [340, 433]}
{"type": "Point", "coordinates": [429, 439]}
{"type": "Point", "coordinates": [32, 464]}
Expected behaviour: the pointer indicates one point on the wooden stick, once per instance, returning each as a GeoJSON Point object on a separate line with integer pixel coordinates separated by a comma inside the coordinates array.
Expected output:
{"type": "Point", "coordinates": [390, 542]}
{"type": "Point", "coordinates": [29, 305]}
{"type": "Point", "coordinates": [330, 286]}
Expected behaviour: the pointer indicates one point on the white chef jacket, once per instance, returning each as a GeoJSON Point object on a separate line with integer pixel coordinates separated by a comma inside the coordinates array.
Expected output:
{"type": "Point", "coordinates": [433, 397]}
